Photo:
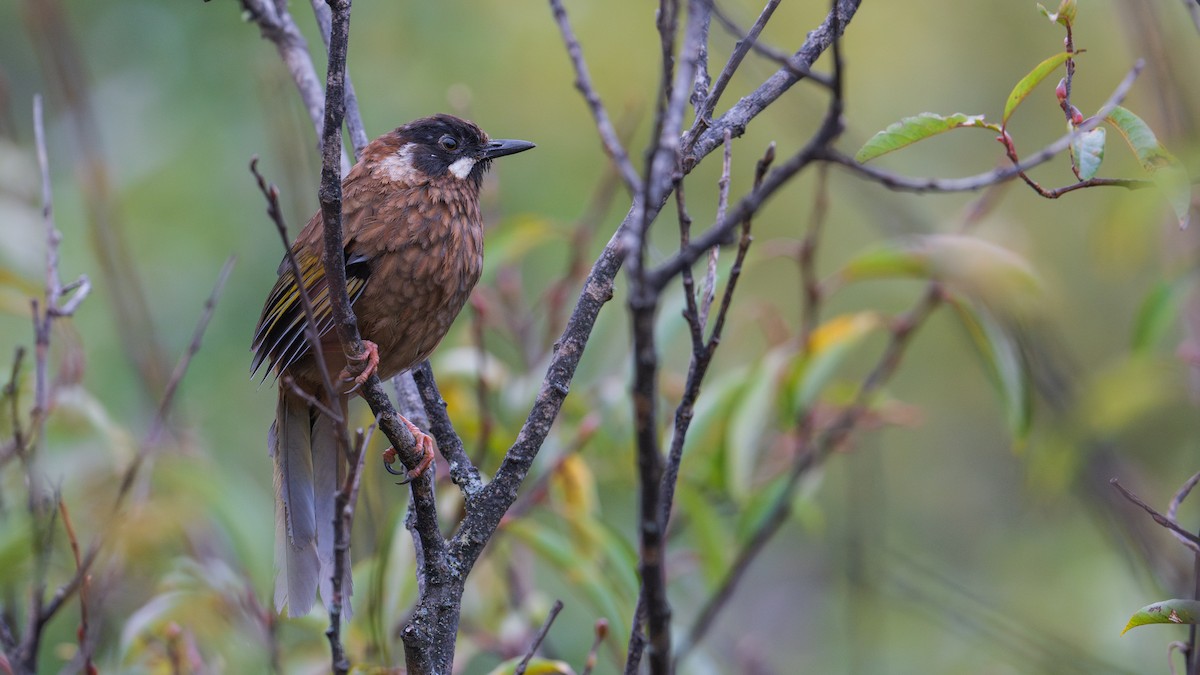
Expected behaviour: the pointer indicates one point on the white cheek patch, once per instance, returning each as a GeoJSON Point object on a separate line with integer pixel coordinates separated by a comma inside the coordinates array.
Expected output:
{"type": "Point", "coordinates": [461, 168]}
{"type": "Point", "coordinates": [398, 167]}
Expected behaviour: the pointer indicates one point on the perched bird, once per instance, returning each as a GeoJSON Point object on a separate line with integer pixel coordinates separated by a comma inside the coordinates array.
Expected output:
{"type": "Point", "coordinates": [413, 241]}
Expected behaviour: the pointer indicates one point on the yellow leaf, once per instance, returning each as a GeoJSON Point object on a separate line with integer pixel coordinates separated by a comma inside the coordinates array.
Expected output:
{"type": "Point", "coordinates": [575, 486]}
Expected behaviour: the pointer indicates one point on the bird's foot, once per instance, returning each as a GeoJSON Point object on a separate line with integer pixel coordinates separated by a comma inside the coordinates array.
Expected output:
{"type": "Point", "coordinates": [424, 444]}
{"type": "Point", "coordinates": [361, 367]}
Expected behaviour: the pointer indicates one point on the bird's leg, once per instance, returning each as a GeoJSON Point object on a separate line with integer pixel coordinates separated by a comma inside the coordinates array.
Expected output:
{"type": "Point", "coordinates": [364, 364]}
{"type": "Point", "coordinates": [424, 444]}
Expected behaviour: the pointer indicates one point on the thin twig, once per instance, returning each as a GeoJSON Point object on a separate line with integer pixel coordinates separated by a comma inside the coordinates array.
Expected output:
{"type": "Point", "coordinates": [582, 231]}
{"type": "Point", "coordinates": [483, 405]}
{"type": "Point", "coordinates": [344, 504]}
{"type": "Point", "coordinates": [708, 292]}
{"type": "Point", "coordinates": [64, 64]}
{"type": "Point", "coordinates": [812, 294]}
{"type": "Point", "coordinates": [286, 380]}
{"type": "Point", "coordinates": [1181, 495]}
{"type": "Point", "coordinates": [971, 183]}
{"type": "Point", "coordinates": [538, 638]}
{"type": "Point", "coordinates": [276, 25]}
{"type": "Point", "coordinates": [583, 82]}
{"type": "Point", "coordinates": [1186, 538]}
{"type": "Point", "coordinates": [812, 453]}
{"type": "Point", "coordinates": [1191, 657]}
{"type": "Point", "coordinates": [720, 232]}
{"type": "Point", "coordinates": [354, 123]}
{"type": "Point", "coordinates": [739, 116]}
{"type": "Point", "coordinates": [271, 193]}
{"type": "Point", "coordinates": [463, 472]}
{"type": "Point", "coordinates": [702, 355]}
{"type": "Point", "coordinates": [601, 630]}
{"type": "Point", "coordinates": [168, 396]}
{"type": "Point", "coordinates": [85, 646]}
{"type": "Point", "coordinates": [12, 390]}
{"type": "Point", "coordinates": [744, 44]}
{"type": "Point", "coordinates": [38, 501]}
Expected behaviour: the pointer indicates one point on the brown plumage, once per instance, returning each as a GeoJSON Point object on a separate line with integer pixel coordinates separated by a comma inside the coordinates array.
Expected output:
{"type": "Point", "coordinates": [413, 242]}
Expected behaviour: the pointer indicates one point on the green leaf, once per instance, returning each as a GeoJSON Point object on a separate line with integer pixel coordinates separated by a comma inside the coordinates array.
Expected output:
{"type": "Point", "coordinates": [1088, 151]}
{"type": "Point", "coordinates": [751, 419]}
{"type": "Point", "coordinates": [1004, 365]}
{"type": "Point", "coordinates": [1040, 72]}
{"type": "Point", "coordinates": [912, 129]}
{"type": "Point", "coordinates": [1169, 174]}
{"type": "Point", "coordinates": [1064, 15]}
{"type": "Point", "coordinates": [885, 262]}
{"type": "Point", "coordinates": [711, 537]}
{"type": "Point", "coordinates": [1157, 314]}
{"type": "Point", "coordinates": [1167, 611]}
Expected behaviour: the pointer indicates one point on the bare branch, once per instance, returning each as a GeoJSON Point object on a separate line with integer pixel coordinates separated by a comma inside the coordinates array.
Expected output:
{"type": "Point", "coordinates": [810, 454]}
{"type": "Point", "coordinates": [748, 107]}
{"type": "Point", "coordinates": [1181, 495]}
{"type": "Point", "coordinates": [601, 633]}
{"type": "Point", "coordinates": [271, 193]}
{"type": "Point", "coordinates": [537, 639]}
{"type": "Point", "coordinates": [705, 109]}
{"type": "Point", "coordinates": [583, 82]}
{"type": "Point", "coordinates": [708, 293]}
{"type": "Point", "coordinates": [276, 25]}
{"type": "Point", "coordinates": [462, 470]}
{"type": "Point", "coordinates": [85, 645]}
{"type": "Point", "coordinates": [344, 501]}
{"type": "Point", "coordinates": [181, 367]}
{"type": "Point", "coordinates": [354, 123]}
{"type": "Point", "coordinates": [1186, 538]}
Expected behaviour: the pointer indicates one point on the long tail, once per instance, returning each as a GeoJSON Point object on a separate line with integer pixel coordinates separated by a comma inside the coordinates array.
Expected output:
{"type": "Point", "coordinates": [308, 473]}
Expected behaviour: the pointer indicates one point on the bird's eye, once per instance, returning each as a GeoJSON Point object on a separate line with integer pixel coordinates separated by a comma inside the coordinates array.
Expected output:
{"type": "Point", "coordinates": [448, 142]}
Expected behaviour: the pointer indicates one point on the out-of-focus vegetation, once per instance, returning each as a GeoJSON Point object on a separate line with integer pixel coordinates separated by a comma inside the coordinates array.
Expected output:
{"type": "Point", "coordinates": [955, 535]}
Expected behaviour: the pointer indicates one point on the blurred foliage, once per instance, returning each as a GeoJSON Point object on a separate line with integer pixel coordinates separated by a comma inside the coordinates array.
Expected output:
{"type": "Point", "coordinates": [935, 541]}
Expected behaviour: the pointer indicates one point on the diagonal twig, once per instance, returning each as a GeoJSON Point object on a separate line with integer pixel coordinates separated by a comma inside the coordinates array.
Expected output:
{"type": "Point", "coordinates": [1186, 538]}
{"type": "Point", "coordinates": [538, 638]}
{"type": "Point", "coordinates": [583, 82]}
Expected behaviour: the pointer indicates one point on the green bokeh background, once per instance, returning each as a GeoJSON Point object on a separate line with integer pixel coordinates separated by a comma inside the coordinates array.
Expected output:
{"type": "Point", "coordinates": [938, 545]}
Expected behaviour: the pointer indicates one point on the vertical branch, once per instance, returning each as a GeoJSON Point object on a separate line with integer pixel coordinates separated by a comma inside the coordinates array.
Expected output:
{"type": "Point", "coordinates": [662, 174]}
{"type": "Point", "coordinates": [44, 315]}
{"type": "Point", "coordinates": [330, 194]}
{"type": "Point", "coordinates": [66, 68]}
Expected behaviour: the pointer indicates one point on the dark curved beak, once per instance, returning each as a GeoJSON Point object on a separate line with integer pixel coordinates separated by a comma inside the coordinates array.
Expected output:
{"type": "Point", "coordinates": [502, 147]}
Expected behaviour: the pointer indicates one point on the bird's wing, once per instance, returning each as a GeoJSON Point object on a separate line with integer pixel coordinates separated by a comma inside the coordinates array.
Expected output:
{"type": "Point", "coordinates": [279, 337]}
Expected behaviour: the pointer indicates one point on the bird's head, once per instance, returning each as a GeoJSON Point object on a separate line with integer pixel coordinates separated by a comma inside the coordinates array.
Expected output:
{"type": "Point", "coordinates": [441, 147]}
